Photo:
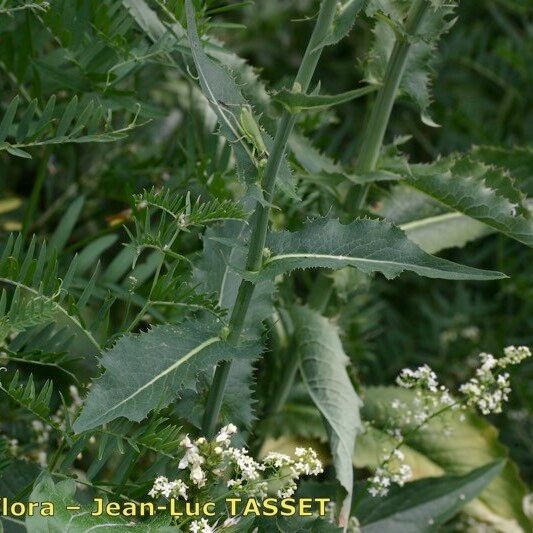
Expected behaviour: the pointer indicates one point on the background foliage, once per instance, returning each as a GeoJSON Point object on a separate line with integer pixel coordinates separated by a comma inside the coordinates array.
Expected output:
{"type": "Point", "coordinates": [100, 103]}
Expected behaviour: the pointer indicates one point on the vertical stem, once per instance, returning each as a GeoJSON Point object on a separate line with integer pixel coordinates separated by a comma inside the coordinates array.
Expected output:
{"type": "Point", "coordinates": [370, 148]}
{"type": "Point", "coordinates": [262, 212]}
{"type": "Point", "coordinates": [381, 112]}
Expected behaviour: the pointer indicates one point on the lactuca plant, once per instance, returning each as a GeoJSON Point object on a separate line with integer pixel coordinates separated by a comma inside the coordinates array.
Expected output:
{"type": "Point", "coordinates": [189, 322]}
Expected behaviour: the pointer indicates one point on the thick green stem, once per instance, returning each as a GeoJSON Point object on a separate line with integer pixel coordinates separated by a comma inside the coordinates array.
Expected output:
{"type": "Point", "coordinates": [262, 212]}
{"type": "Point", "coordinates": [379, 119]}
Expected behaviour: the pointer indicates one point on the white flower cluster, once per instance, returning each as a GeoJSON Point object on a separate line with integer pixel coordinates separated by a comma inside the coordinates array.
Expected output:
{"type": "Point", "coordinates": [247, 471]}
{"type": "Point", "coordinates": [193, 460]}
{"type": "Point", "coordinates": [306, 463]}
{"type": "Point", "coordinates": [169, 489]}
{"type": "Point", "coordinates": [490, 388]}
{"type": "Point", "coordinates": [217, 461]}
{"type": "Point", "coordinates": [422, 378]}
{"type": "Point", "coordinates": [487, 391]}
{"type": "Point", "coordinates": [392, 471]}
{"type": "Point", "coordinates": [423, 406]}
{"type": "Point", "coordinates": [201, 526]}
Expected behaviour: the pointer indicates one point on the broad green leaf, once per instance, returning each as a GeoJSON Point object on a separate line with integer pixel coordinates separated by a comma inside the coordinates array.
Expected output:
{"type": "Point", "coordinates": [297, 102]}
{"type": "Point", "coordinates": [224, 246]}
{"type": "Point", "coordinates": [424, 505]}
{"type": "Point", "coordinates": [478, 191]}
{"type": "Point", "coordinates": [323, 370]}
{"type": "Point", "coordinates": [347, 12]}
{"type": "Point", "coordinates": [62, 495]}
{"type": "Point", "coordinates": [238, 405]}
{"type": "Point", "coordinates": [369, 245]}
{"type": "Point", "coordinates": [224, 249]}
{"type": "Point", "coordinates": [149, 370]}
{"type": "Point", "coordinates": [447, 444]}
{"type": "Point", "coordinates": [17, 477]}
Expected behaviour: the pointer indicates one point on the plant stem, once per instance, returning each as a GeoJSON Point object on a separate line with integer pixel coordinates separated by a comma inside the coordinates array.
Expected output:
{"type": "Point", "coordinates": [381, 112]}
{"type": "Point", "coordinates": [370, 148]}
{"type": "Point", "coordinates": [262, 212]}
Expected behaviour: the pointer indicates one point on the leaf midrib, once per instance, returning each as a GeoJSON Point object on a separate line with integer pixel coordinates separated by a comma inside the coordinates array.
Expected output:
{"type": "Point", "coordinates": [167, 371]}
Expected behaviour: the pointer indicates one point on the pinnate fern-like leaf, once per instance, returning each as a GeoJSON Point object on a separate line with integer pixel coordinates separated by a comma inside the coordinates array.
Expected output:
{"type": "Point", "coordinates": [34, 400]}
{"type": "Point", "coordinates": [76, 123]}
{"type": "Point", "coordinates": [147, 371]}
{"type": "Point", "coordinates": [369, 245]}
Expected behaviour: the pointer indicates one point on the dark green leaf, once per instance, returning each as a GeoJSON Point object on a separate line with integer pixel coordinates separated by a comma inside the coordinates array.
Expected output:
{"type": "Point", "coordinates": [425, 505]}
{"type": "Point", "coordinates": [147, 371]}
{"type": "Point", "coordinates": [369, 245]}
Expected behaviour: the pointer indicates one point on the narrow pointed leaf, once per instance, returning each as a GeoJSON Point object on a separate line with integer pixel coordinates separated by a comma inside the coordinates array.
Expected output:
{"type": "Point", "coordinates": [424, 505]}
{"type": "Point", "coordinates": [227, 101]}
{"type": "Point", "coordinates": [369, 245]}
{"type": "Point", "coordinates": [7, 119]}
{"type": "Point", "coordinates": [296, 102]}
{"type": "Point", "coordinates": [67, 118]}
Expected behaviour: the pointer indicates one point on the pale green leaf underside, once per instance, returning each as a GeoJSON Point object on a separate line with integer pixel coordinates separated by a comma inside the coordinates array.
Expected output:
{"type": "Point", "coordinates": [427, 222]}
{"type": "Point", "coordinates": [147, 371]}
{"type": "Point", "coordinates": [425, 505]}
{"type": "Point", "coordinates": [323, 369]}
{"type": "Point", "coordinates": [369, 245]}
{"type": "Point", "coordinates": [478, 191]}
{"type": "Point", "coordinates": [448, 230]}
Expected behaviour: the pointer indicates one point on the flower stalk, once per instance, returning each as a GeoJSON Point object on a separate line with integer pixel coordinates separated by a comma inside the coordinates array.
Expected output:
{"type": "Point", "coordinates": [262, 212]}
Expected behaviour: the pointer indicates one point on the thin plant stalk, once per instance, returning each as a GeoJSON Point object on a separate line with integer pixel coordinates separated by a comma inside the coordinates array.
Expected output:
{"type": "Point", "coordinates": [262, 212]}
